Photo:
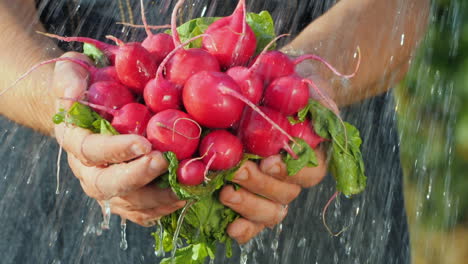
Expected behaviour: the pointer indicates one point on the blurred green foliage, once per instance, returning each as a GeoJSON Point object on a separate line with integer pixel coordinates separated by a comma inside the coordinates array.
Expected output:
{"type": "Point", "coordinates": [432, 104]}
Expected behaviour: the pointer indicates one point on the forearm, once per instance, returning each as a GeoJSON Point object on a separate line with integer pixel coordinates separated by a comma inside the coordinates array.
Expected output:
{"type": "Point", "coordinates": [31, 101]}
{"type": "Point", "coordinates": [387, 33]}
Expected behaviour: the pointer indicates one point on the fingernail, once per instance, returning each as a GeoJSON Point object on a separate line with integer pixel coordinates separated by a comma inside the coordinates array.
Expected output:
{"type": "Point", "coordinates": [154, 164]}
{"type": "Point", "coordinates": [241, 175]}
{"type": "Point", "coordinates": [273, 170]}
{"type": "Point", "coordinates": [139, 149]}
{"type": "Point", "coordinates": [180, 204]}
{"type": "Point", "coordinates": [174, 196]}
{"type": "Point", "coordinates": [234, 198]}
{"type": "Point", "coordinates": [236, 232]}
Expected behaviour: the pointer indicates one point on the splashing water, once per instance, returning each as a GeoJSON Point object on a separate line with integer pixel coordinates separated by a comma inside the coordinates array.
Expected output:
{"type": "Point", "coordinates": [106, 215]}
{"type": "Point", "coordinates": [429, 108]}
{"type": "Point", "coordinates": [160, 251]}
{"type": "Point", "coordinates": [123, 234]}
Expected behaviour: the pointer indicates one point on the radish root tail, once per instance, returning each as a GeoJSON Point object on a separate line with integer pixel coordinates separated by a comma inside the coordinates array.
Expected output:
{"type": "Point", "coordinates": [208, 165]}
{"type": "Point", "coordinates": [35, 67]}
{"type": "Point", "coordinates": [329, 66]}
{"type": "Point", "coordinates": [324, 211]}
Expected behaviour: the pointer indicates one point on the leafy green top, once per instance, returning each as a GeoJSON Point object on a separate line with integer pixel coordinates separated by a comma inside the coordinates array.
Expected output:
{"type": "Point", "coordinates": [262, 25]}
{"type": "Point", "coordinates": [346, 163]}
{"type": "Point", "coordinates": [83, 116]}
{"type": "Point", "coordinates": [96, 55]}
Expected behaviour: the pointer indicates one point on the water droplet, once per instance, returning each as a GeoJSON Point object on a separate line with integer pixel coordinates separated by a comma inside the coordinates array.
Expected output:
{"type": "Point", "coordinates": [402, 41]}
{"type": "Point", "coordinates": [160, 251]}
{"type": "Point", "coordinates": [245, 250]}
{"type": "Point", "coordinates": [106, 215]}
{"type": "Point", "coordinates": [302, 242]}
{"type": "Point", "coordinates": [123, 234]}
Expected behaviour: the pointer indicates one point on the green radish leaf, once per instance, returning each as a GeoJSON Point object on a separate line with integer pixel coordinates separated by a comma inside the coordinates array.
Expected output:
{"type": "Point", "coordinates": [206, 219]}
{"type": "Point", "coordinates": [194, 28]}
{"type": "Point", "coordinates": [346, 162]}
{"type": "Point", "coordinates": [192, 254]}
{"type": "Point", "coordinates": [99, 59]}
{"type": "Point", "coordinates": [83, 116]}
{"type": "Point", "coordinates": [263, 26]}
{"type": "Point", "coordinates": [78, 115]}
{"type": "Point", "coordinates": [106, 128]}
{"type": "Point", "coordinates": [198, 192]}
{"type": "Point", "coordinates": [204, 225]}
{"type": "Point", "coordinates": [306, 157]}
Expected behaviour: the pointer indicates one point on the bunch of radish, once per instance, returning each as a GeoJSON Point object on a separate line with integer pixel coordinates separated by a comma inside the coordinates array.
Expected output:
{"type": "Point", "coordinates": [240, 101]}
{"type": "Point", "coordinates": [208, 107]}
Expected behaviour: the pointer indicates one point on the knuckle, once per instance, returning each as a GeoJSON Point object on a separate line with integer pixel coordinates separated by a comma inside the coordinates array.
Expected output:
{"type": "Point", "coordinates": [292, 193]}
{"type": "Point", "coordinates": [312, 179]}
{"type": "Point", "coordinates": [282, 211]}
{"type": "Point", "coordinates": [97, 186]}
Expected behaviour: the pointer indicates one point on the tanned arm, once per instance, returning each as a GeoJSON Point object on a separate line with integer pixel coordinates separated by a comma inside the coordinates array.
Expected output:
{"type": "Point", "coordinates": [387, 33]}
{"type": "Point", "coordinates": [31, 102]}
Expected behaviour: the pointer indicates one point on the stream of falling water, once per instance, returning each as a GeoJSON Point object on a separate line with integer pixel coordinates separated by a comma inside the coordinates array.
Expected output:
{"type": "Point", "coordinates": [66, 228]}
{"type": "Point", "coordinates": [123, 234]}
{"type": "Point", "coordinates": [106, 215]}
{"type": "Point", "coordinates": [159, 252]}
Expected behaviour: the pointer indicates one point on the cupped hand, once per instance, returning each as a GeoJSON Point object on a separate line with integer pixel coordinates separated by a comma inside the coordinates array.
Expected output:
{"type": "Point", "coordinates": [119, 169]}
{"type": "Point", "coordinates": [265, 194]}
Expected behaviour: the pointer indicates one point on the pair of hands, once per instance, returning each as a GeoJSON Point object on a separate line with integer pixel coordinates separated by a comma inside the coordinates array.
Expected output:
{"type": "Point", "coordinates": [128, 183]}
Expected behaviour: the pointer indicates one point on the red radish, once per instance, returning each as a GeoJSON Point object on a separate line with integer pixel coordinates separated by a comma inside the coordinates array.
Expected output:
{"type": "Point", "coordinates": [205, 99]}
{"type": "Point", "coordinates": [132, 118]}
{"type": "Point", "coordinates": [159, 45]}
{"type": "Point", "coordinates": [275, 64]}
{"type": "Point", "coordinates": [191, 172]}
{"type": "Point", "coordinates": [306, 131]}
{"type": "Point", "coordinates": [104, 74]}
{"type": "Point", "coordinates": [287, 94]}
{"type": "Point", "coordinates": [234, 40]}
{"type": "Point", "coordinates": [109, 94]}
{"type": "Point", "coordinates": [210, 98]}
{"type": "Point", "coordinates": [161, 94]}
{"type": "Point", "coordinates": [174, 130]}
{"type": "Point", "coordinates": [134, 64]}
{"type": "Point", "coordinates": [251, 83]}
{"type": "Point", "coordinates": [186, 63]}
{"type": "Point", "coordinates": [261, 137]}
{"type": "Point", "coordinates": [227, 147]}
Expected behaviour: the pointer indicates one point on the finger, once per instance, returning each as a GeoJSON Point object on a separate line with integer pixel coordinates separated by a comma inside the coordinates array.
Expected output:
{"type": "Point", "coordinates": [307, 177]}
{"type": "Point", "coordinates": [147, 197]}
{"type": "Point", "coordinates": [275, 167]}
{"type": "Point", "coordinates": [118, 179]}
{"type": "Point", "coordinates": [70, 79]}
{"type": "Point", "coordinates": [242, 230]}
{"type": "Point", "coordinates": [251, 178]}
{"type": "Point", "coordinates": [147, 217]}
{"type": "Point", "coordinates": [253, 207]}
{"type": "Point", "coordinates": [95, 149]}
